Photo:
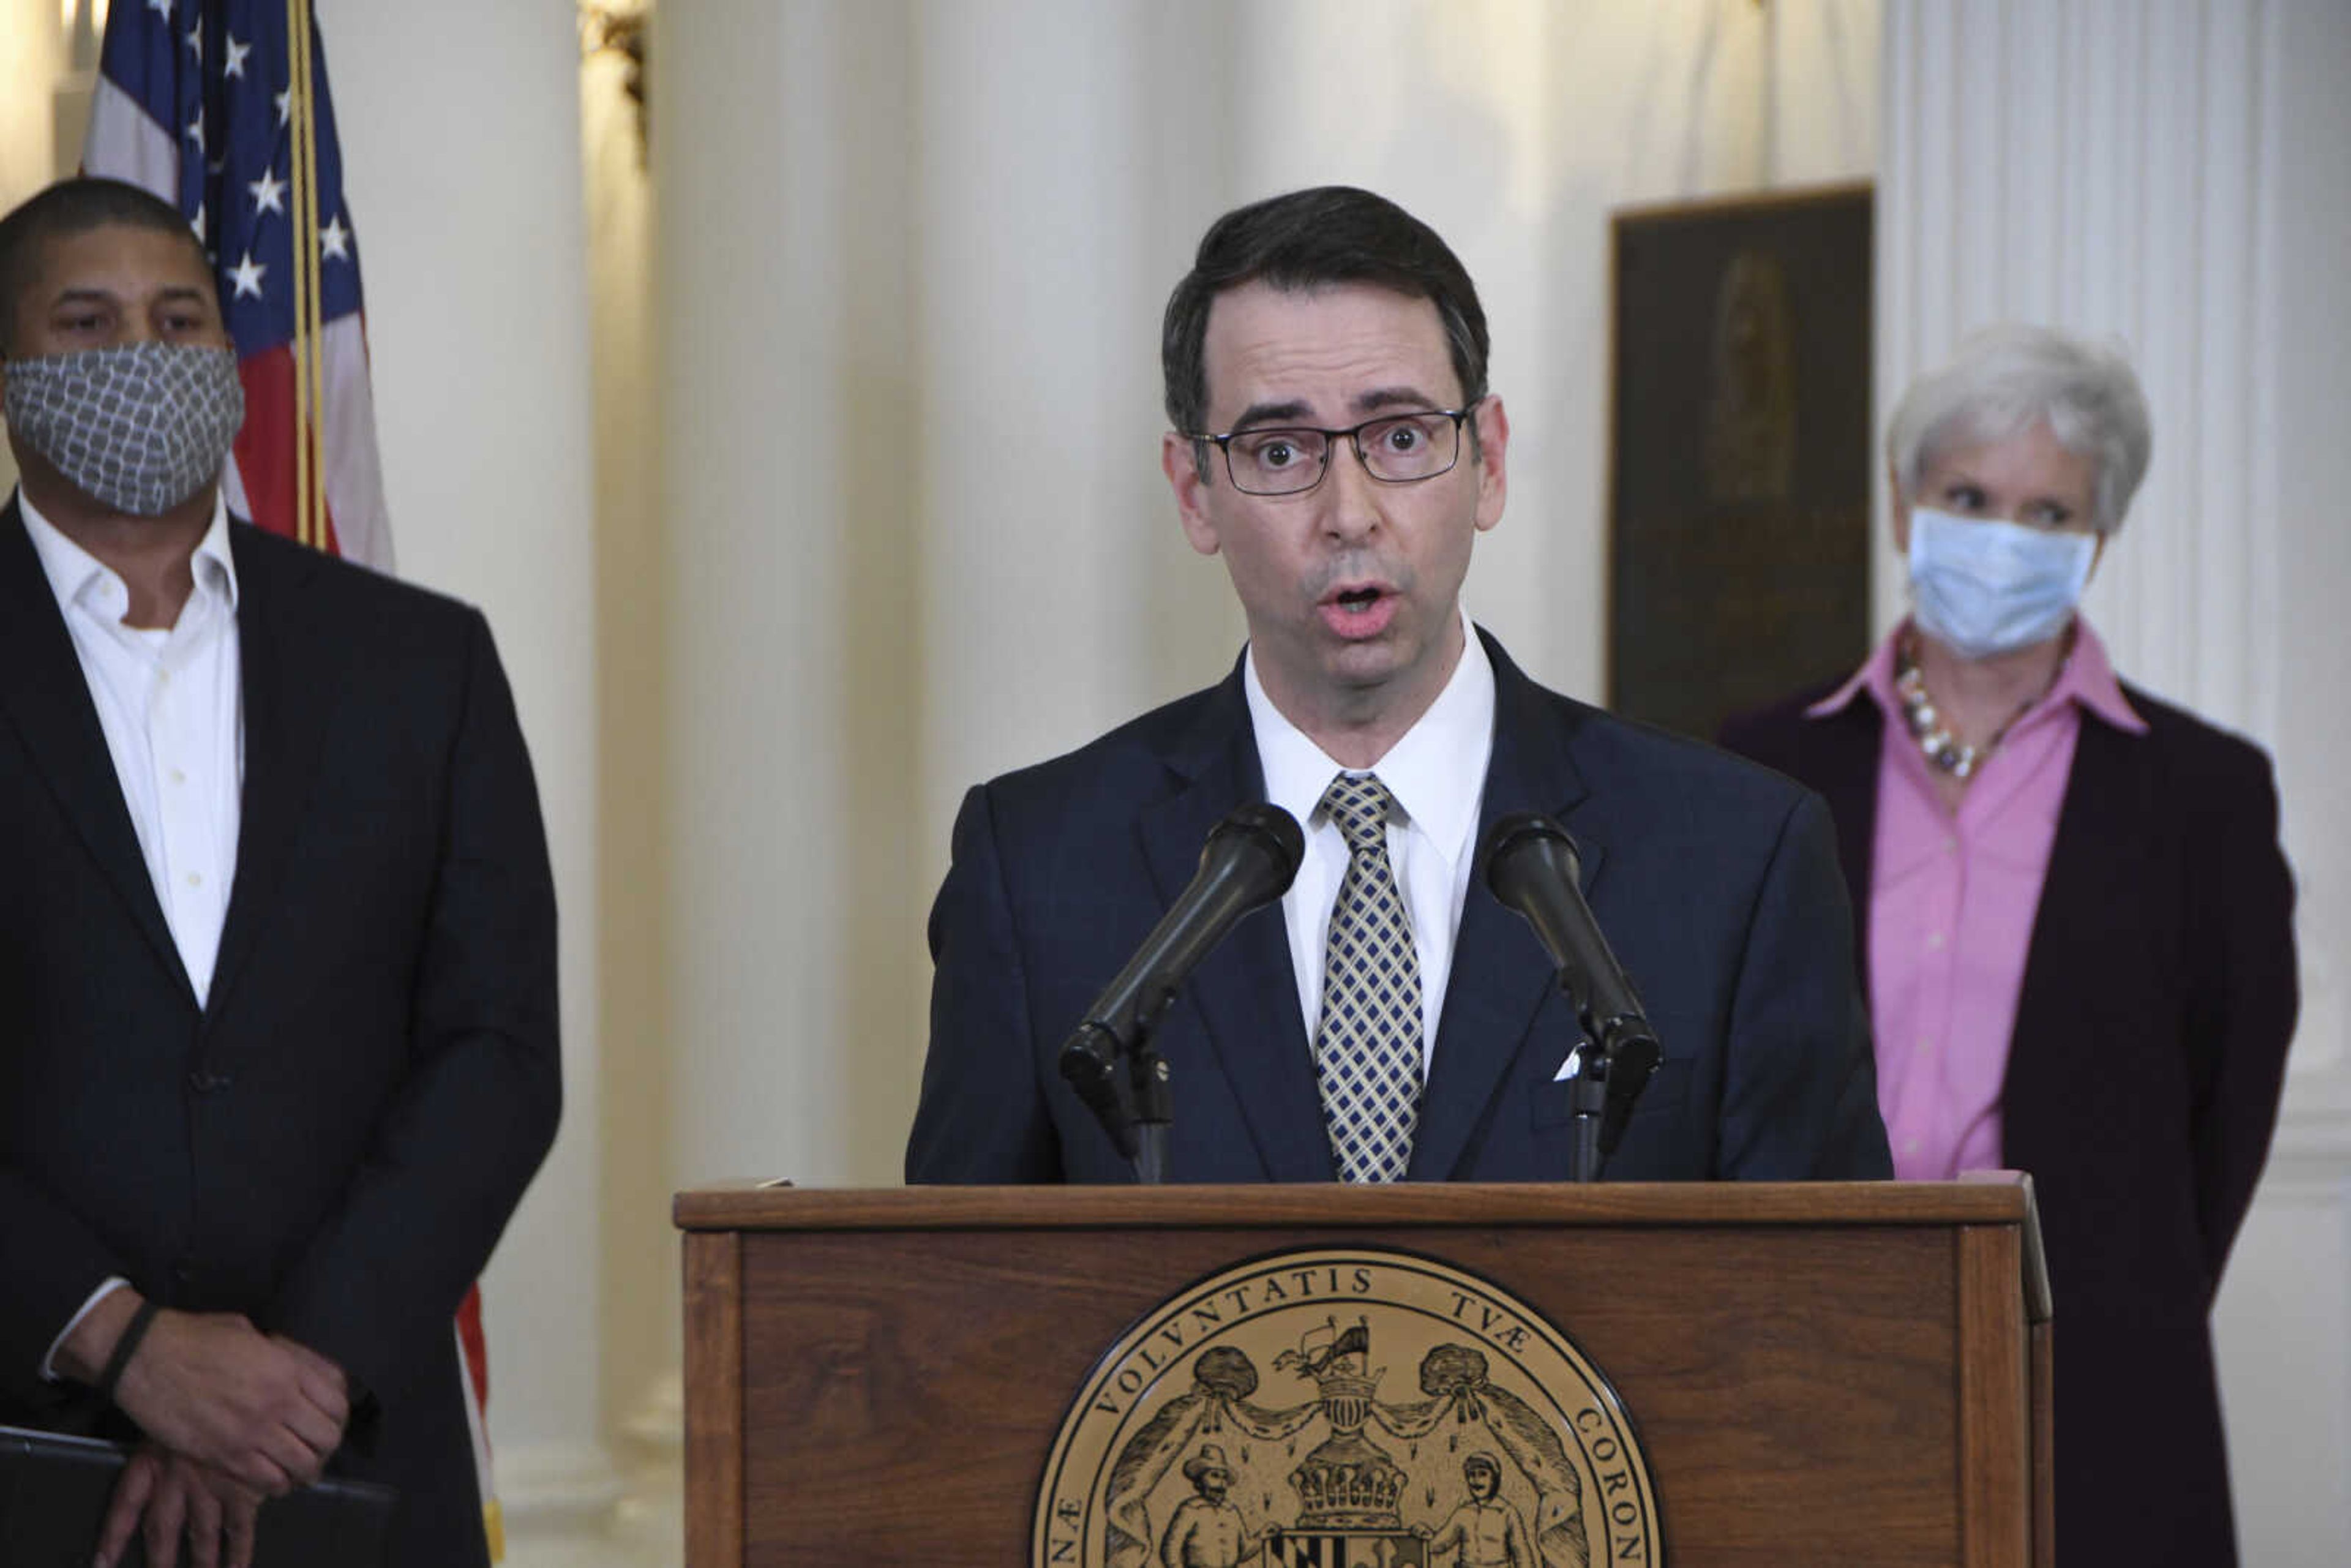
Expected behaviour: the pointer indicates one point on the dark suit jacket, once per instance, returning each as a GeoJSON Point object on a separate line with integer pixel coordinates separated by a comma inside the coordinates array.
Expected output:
{"type": "Point", "coordinates": [1715, 882]}
{"type": "Point", "coordinates": [2143, 1080]}
{"type": "Point", "coordinates": [332, 1146]}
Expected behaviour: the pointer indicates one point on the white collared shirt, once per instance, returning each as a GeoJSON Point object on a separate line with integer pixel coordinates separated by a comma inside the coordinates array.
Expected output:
{"type": "Point", "coordinates": [1436, 773]}
{"type": "Point", "coordinates": [173, 709]}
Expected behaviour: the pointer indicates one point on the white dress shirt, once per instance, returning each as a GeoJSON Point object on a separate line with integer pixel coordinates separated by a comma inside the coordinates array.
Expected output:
{"type": "Point", "coordinates": [171, 706]}
{"type": "Point", "coordinates": [1436, 773]}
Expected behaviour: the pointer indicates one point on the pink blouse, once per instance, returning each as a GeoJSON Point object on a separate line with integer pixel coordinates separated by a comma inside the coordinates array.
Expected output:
{"type": "Point", "coordinates": [1951, 904]}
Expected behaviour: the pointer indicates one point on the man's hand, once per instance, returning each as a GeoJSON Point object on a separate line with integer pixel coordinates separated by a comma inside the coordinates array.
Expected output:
{"type": "Point", "coordinates": [166, 1497]}
{"type": "Point", "coordinates": [266, 1411]}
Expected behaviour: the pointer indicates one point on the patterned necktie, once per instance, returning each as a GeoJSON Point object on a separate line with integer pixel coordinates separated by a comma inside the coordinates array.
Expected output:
{"type": "Point", "coordinates": [1367, 1051]}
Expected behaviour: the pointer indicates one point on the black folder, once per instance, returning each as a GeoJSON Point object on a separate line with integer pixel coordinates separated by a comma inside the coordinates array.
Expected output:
{"type": "Point", "coordinates": [54, 1490]}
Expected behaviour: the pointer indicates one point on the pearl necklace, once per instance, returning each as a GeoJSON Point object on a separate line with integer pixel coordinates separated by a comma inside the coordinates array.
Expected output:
{"type": "Point", "coordinates": [1943, 749]}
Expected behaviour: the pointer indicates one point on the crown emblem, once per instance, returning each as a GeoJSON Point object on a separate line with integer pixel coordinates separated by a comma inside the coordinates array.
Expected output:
{"type": "Point", "coordinates": [1348, 1481]}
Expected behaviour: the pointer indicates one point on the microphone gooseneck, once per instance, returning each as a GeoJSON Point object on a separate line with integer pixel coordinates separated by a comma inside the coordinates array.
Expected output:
{"type": "Point", "coordinates": [1247, 861]}
{"type": "Point", "coordinates": [1532, 868]}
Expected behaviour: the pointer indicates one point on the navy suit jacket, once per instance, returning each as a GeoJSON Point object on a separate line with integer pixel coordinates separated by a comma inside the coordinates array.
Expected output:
{"type": "Point", "coordinates": [1715, 883]}
{"type": "Point", "coordinates": [332, 1144]}
{"type": "Point", "coordinates": [2143, 1078]}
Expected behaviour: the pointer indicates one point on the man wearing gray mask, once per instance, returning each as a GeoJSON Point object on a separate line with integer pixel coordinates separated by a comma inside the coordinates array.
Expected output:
{"type": "Point", "coordinates": [277, 1011]}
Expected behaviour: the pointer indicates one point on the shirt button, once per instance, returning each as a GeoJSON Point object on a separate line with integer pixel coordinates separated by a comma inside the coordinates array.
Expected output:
{"type": "Point", "coordinates": [178, 777]}
{"type": "Point", "coordinates": [1925, 1045]}
{"type": "Point", "coordinates": [195, 880]}
{"type": "Point", "coordinates": [1934, 940]}
{"type": "Point", "coordinates": [1950, 843]}
{"type": "Point", "coordinates": [1909, 1145]}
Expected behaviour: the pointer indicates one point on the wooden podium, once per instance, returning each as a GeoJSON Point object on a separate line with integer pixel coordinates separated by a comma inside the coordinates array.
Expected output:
{"type": "Point", "coordinates": [1830, 1373]}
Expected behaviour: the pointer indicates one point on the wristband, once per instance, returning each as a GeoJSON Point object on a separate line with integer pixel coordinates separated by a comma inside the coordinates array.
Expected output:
{"type": "Point", "coordinates": [125, 1347]}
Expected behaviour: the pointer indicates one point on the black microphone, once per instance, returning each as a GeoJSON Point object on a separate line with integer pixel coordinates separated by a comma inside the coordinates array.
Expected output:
{"type": "Point", "coordinates": [1532, 867]}
{"type": "Point", "coordinates": [1247, 861]}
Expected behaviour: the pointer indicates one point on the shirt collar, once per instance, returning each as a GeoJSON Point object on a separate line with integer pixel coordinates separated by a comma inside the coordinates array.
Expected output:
{"type": "Point", "coordinates": [72, 570]}
{"type": "Point", "coordinates": [2086, 679]}
{"type": "Point", "coordinates": [1437, 770]}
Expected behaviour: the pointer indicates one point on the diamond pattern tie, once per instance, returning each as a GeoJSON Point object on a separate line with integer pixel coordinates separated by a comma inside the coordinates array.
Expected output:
{"type": "Point", "coordinates": [1367, 1051]}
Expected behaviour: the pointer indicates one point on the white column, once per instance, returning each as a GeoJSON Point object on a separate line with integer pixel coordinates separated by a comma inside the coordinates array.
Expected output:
{"type": "Point", "coordinates": [2171, 174]}
{"type": "Point", "coordinates": [749, 283]}
{"type": "Point", "coordinates": [2285, 1313]}
{"type": "Point", "coordinates": [459, 128]}
{"type": "Point", "coordinates": [1039, 409]}
{"type": "Point", "coordinates": [38, 90]}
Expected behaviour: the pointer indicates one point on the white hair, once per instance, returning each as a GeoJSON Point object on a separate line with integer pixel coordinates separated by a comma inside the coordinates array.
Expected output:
{"type": "Point", "coordinates": [2005, 380]}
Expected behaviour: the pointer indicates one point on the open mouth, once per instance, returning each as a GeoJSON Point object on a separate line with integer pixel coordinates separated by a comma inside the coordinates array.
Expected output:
{"type": "Point", "coordinates": [1360, 612]}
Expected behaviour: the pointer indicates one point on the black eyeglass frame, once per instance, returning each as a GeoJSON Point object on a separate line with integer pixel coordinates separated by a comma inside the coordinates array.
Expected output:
{"type": "Point", "coordinates": [1354, 437]}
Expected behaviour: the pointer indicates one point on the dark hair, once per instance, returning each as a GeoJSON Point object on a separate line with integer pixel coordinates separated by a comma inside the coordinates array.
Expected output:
{"type": "Point", "coordinates": [71, 207]}
{"type": "Point", "coordinates": [1332, 233]}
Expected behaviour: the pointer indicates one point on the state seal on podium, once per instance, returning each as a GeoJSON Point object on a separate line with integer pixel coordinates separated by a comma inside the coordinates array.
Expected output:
{"type": "Point", "coordinates": [1345, 1408]}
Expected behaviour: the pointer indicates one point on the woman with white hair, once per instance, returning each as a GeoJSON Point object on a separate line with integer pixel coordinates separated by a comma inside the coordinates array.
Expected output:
{"type": "Point", "coordinates": [2075, 921]}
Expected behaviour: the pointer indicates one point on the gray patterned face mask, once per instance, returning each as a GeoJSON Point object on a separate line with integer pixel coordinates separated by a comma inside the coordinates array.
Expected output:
{"type": "Point", "coordinates": [138, 427]}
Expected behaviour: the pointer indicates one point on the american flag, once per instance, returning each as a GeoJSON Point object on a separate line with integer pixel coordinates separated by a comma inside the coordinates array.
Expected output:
{"type": "Point", "coordinates": [222, 107]}
{"type": "Point", "coordinates": [219, 105]}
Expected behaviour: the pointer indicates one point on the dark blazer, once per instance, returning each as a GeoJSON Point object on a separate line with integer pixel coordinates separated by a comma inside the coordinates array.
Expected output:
{"type": "Point", "coordinates": [2142, 1088]}
{"type": "Point", "coordinates": [1715, 881]}
{"type": "Point", "coordinates": [333, 1143]}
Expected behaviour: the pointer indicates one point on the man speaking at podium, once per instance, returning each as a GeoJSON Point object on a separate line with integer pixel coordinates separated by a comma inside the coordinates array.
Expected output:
{"type": "Point", "coordinates": [1334, 441]}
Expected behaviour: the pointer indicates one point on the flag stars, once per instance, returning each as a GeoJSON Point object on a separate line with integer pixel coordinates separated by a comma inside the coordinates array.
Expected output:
{"type": "Point", "coordinates": [285, 102]}
{"type": "Point", "coordinates": [161, 7]}
{"type": "Point", "coordinates": [196, 40]}
{"type": "Point", "coordinates": [269, 193]}
{"type": "Point", "coordinates": [196, 130]}
{"type": "Point", "coordinates": [236, 53]}
{"type": "Point", "coordinates": [335, 240]}
{"type": "Point", "coordinates": [245, 276]}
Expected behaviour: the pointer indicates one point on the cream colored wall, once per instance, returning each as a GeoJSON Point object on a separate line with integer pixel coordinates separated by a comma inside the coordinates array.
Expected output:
{"type": "Point", "coordinates": [34, 51]}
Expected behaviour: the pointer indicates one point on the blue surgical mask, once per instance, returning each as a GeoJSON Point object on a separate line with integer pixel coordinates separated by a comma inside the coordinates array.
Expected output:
{"type": "Point", "coordinates": [1981, 587]}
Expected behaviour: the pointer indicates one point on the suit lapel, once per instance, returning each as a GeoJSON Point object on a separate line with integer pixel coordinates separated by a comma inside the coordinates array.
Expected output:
{"type": "Point", "coordinates": [46, 694]}
{"type": "Point", "coordinates": [2105, 824]}
{"type": "Point", "coordinates": [1246, 991]}
{"type": "Point", "coordinates": [1500, 975]}
{"type": "Point", "coordinates": [286, 698]}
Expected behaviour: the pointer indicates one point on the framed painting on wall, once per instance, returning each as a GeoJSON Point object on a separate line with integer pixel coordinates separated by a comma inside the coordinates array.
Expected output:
{"type": "Point", "coordinates": [1740, 454]}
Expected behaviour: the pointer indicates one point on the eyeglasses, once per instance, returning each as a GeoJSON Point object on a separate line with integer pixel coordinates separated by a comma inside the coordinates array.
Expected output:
{"type": "Point", "coordinates": [1394, 449]}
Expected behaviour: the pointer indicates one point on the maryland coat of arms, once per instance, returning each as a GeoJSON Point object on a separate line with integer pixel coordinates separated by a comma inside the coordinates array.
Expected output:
{"type": "Point", "coordinates": [1345, 1409]}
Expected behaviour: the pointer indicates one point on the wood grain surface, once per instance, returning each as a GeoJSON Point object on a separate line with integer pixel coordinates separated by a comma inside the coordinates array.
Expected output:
{"type": "Point", "coordinates": [1995, 1433]}
{"type": "Point", "coordinates": [1798, 1384]}
{"type": "Point", "coordinates": [762, 1206]}
{"type": "Point", "coordinates": [714, 1454]}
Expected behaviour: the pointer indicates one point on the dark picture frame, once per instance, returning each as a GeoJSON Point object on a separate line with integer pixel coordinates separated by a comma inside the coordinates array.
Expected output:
{"type": "Point", "coordinates": [1739, 452]}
